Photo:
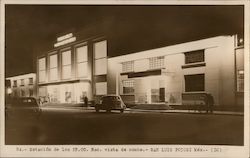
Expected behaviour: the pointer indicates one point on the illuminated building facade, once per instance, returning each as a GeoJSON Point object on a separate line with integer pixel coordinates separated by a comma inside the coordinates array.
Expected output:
{"type": "Point", "coordinates": [76, 68]}
{"type": "Point", "coordinates": [73, 69]}
{"type": "Point", "coordinates": [181, 73]}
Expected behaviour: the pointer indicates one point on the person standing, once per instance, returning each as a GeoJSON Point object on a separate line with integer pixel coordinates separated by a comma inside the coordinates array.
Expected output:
{"type": "Point", "coordinates": [211, 102]}
{"type": "Point", "coordinates": [86, 101]}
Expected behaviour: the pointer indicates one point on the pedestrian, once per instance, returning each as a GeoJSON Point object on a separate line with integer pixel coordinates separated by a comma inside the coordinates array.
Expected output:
{"type": "Point", "coordinates": [211, 102]}
{"type": "Point", "coordinates": [207, 102]}
{"type": "Point", "coordinates": [86, 101]}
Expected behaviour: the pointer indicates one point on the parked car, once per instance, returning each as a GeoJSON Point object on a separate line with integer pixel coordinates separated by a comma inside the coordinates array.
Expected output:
{"type": "Point", "coordinates": [110, 102]}
{"type": "Point", "coordinates": [24, 107]}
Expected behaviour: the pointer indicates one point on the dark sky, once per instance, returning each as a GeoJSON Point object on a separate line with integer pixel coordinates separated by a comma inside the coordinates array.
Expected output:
{"type": "Point", "coordinates": [129, 29]}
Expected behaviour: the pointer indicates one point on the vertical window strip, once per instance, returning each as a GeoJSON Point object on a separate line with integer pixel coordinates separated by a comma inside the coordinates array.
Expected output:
{"type": "Point", "coordinates": [42, 69]}
{"type": "Point", "coordinates": [82, 61]}
{"type": "Point", "coordinates": [240, 81]}
{"type": "Point", "coordinates": [53, 67]}
{"type": "Point", "coordinates": [66, 64]}
{"type": "Point", "coordinates": [100, 55]}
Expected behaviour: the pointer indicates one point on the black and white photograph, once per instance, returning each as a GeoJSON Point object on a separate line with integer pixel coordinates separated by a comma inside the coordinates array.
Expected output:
{"type": "Point", "coordinates": [125, 79]}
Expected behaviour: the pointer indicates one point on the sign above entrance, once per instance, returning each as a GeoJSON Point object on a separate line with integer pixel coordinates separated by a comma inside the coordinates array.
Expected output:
{"type": "Point", "coordinates": [68, 38]}
{"type": "Point", "coordinates": [61, 38]}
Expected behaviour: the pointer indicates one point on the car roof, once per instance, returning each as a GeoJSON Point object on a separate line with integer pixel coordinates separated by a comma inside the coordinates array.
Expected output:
{"type": "Point", "coordinates": [111, 95]}
{"type": "Point", "coordinates": [27, 98]}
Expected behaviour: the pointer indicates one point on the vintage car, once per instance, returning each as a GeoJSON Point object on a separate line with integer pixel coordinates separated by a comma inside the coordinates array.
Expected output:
{"type": "Point", "coordinates": [24, 107]}
{"type": "Point", "coordinates": [110, 102]}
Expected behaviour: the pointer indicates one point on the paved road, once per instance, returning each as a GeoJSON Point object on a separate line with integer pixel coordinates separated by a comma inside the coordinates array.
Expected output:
{"type": "Point", "coordinates": [87, 127]}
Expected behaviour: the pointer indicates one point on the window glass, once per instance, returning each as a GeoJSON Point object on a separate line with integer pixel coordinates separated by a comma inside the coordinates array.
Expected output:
{"type": "Point", "coordinates": [82, 69]}
{"type": "Point", "coordinates": [194, 56]}
{"type": "Point", "coordinates": [30, 80]}
{"type": "Point", "coordinates": [66, 58]}
{"type": "Point", "coordinates": [100, 49]}
{"type": "Point", "coordinates": [22, 93]}
{"type": "Point", "coordinates": [66, 72]}
{"type": "Point", "coordinates": [101, 66]}
{"type": "Point", "coordinates": [22, 82]}
{"type": "Point", "coordinates": [41, 76]}
{"type": "Point", "coordinates": [82, 61]}
{"type": "Point", "coordinates": [42, 64]}
{"type": "Point", "coordinates": [128, 66]}
{"type": "Point", "coordinates": [240, 80]}
{"type": "Point", "coordinates": [66, 64]}
{"type": "Point", "coordinates": [53, 74]}
{"type": "Point", "coordinates": [42, 69]}
{"type": "Point", "coordinates": [53, 67]}
{"type": "Point", "coordinates": [194, 83]}
{"type": "Point", "coordinates": [128, 86]}
{"type": "Point", "coordinates": [31, 92]}
{"type": "Point", "coordinates": [15, 83]}
{"type": "Point", "coordinates": [156, 62]}
{"type": "Point", "coordinates": [53, 61]}
{"type": "Point", "coordinates": [100, 55]}
{"type": "Point", "coordinates": [82, 54]}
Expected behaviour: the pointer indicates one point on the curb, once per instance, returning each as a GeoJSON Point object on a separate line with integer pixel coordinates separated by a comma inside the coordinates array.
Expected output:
{"type": "Point", "coordinates": [186, 111]}
{"type": "Point", "coordinates": [151, 111]}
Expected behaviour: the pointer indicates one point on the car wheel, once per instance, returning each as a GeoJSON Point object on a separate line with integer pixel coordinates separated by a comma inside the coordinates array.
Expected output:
{"type": "Point", "coordinates": [96, 109]}
{"type": "Point", "coordinates": [108, 110]}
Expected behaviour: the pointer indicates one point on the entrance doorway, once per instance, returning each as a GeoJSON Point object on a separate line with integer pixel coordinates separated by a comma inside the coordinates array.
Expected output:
{"type": "Point", "coordinates": [162, 94]}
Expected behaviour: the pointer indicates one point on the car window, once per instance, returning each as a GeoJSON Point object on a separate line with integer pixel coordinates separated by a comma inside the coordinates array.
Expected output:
{"type": "Point", "coordinates": [113, 98]}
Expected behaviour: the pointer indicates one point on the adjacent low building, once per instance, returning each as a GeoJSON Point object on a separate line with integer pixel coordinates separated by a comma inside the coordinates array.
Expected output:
{"type": "Point", "coordinates": [22, 85]}
{"type": "Point", "coordinates": [79, 67]}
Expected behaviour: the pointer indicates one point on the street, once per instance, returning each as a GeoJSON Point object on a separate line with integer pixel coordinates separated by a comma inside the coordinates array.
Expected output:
{"type": "Point", "coordinates": [79, 127]}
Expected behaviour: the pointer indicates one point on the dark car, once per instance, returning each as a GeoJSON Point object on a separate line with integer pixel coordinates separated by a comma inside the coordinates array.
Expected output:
{"type": "Point", "coordinates": [110, 102]}
{"type": "Point", "coordinates": [24, 107]}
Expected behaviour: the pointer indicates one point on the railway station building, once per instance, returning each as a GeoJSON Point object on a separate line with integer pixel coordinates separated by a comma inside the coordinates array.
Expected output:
{"type": "Point", "coordinates": [78, 67]}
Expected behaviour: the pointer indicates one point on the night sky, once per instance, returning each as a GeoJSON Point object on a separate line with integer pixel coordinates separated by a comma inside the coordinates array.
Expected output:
{"type": "Point", "coordinates": [30, 29]}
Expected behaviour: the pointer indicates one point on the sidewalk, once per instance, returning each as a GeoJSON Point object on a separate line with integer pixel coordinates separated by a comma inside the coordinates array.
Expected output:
{"type": "Point", "coordinates": [129, 110]}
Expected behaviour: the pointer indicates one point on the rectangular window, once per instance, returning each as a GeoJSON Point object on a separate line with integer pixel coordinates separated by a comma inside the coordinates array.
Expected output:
{"type": "Point", "coordinates": [194, 56]}
{"type": "Point", "coordinates": [101, 66]}
{"type": "Point", "coordinates": [15, 83]}
{"type": "Point", "coordinates": [31, 81]}
{"type": "Point", "coordinates": [22, 93]}
{"type": "Point", "coordinates": [53, 67]}
{"type": "Point", "coordinates": [156, 62]}
{"type": "Point", "coordinates": [82, 61]}
{"type": "Point", "coordinates": [128, 86]}
{"type": "Point", "coordinates": [128, 66]}
{"type": "Point", "coordinates": [100, 55]}
{"type": "Point", "coordinates": [240, 81]}
{"type": "Point", "coordinates": [22, 82]}
{"type": "Point", "coordinates": [42, 69]}
{"type": "Point", "coordinates": [66, 64]}
{"type": "Point", "coordinates": [31, 92]}
{"type": "Point", "coordinates": [194, 83]}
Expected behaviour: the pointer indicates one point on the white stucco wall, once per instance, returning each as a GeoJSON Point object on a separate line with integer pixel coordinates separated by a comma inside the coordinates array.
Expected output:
{"type": "Point", "coordinates": [219, 69]}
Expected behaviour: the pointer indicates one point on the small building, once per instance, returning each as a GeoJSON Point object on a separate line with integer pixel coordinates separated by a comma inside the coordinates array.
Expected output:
{"type": "Point", "coordinates": [22, 85]}
{"type": "Point", "coordinates": [180, 73]}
